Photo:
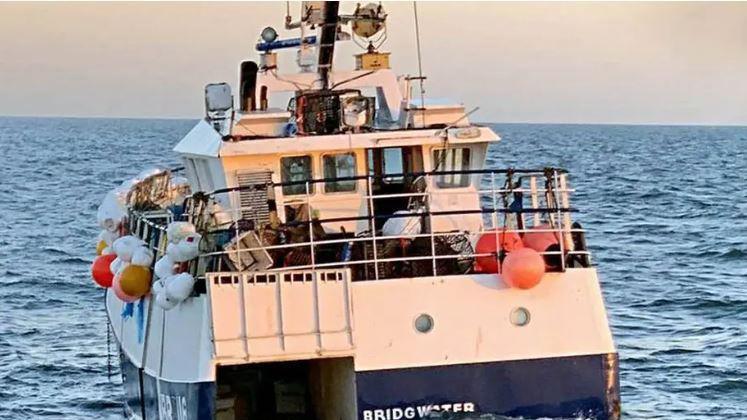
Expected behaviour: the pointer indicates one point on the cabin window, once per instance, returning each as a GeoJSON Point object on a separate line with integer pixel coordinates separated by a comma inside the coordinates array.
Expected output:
{"type": "Point", "coordinates": [296, 169]}
{"type": "Point", "coordinates": [445, 160]}
{"type": "Point", "coordinates": [339, 166]}
{"type": "Point", "coordinates": [393, 163]}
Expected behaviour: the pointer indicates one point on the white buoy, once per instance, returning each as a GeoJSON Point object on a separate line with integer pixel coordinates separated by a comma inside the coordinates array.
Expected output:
{"type": "Point", "coordinates": [163, 301]}
{"type": "Point", "coordinates": [180, 286]}
{"type": "Point", "coordinates": [164, 267]}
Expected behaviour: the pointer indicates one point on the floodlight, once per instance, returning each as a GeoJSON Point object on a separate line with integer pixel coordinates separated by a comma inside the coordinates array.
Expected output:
{"type": "Point", "coordinates": [269, 34]}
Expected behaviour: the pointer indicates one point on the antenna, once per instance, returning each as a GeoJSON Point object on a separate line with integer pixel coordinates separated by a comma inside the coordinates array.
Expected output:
{"type": "Point", "coordinates": [420, 59]}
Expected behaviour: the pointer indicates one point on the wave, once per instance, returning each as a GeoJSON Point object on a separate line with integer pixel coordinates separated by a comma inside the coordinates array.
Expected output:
{"type": "Point", "coordinates": [73, 261]}
{"type": "Point", "coordinates": [54, 251]}
{"type": "Point", "coordinates": [727, 385]}
{"type": "Point", "coordinates": [733, 254]}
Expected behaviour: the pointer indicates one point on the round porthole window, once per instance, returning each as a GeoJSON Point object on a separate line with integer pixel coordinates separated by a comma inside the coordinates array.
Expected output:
{"type": "Point", "coordinates": [424, 323]}
{"type": "Point", "coordinates": [520, 316]}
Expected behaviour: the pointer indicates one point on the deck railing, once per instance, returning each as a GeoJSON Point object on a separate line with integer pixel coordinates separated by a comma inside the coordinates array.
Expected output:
{"type": "Point", "coordinates": [442, 242]}
{"type": "Point", "coordinates": [501, 197]}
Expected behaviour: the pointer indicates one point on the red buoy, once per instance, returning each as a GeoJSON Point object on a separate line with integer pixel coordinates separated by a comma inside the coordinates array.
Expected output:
{"type": "Point", "coordinates": [100, 271]}
{"type": "Point", "coordinates": [487, 244]}
{"type": "Point", "coordinates": [523, 268]}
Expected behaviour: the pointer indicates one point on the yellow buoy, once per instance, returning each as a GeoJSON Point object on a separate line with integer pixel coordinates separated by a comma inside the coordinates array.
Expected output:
{"type": "Point", "coordinates": [100, 247]}
{"type": "Point", "coordinates": [135, 280]}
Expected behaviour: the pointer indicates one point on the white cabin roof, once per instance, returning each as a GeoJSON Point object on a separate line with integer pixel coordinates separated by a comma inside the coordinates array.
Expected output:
{"type": "Point", "coordinates": [357, 141]}
{"type": "Point", "coordinates": [204, 141]}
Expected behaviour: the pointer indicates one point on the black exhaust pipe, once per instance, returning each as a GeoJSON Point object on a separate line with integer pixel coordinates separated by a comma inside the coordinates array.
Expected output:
{"type": "Point", "coordinates": [327, 41]}
{"type": "Point", "coordinates": [248, 86]}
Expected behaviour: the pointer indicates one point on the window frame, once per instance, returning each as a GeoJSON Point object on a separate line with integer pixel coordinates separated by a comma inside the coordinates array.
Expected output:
{"type": "Point", "coordinates": [312, 186]}
{"type": "Point", "coordinates": [355, 172]}
{"type": "Point", "coordinates": [437, 181]}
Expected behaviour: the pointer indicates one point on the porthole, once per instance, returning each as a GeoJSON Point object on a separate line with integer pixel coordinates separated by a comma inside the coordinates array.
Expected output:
{"type": "Point", "coordinates": [424, 323]}
{"type": "Point", "coordinates": [520, 316]}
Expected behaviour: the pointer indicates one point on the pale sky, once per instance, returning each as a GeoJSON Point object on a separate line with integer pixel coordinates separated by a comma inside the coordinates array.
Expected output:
{"type": "Point", "coordinates": [670, 63]}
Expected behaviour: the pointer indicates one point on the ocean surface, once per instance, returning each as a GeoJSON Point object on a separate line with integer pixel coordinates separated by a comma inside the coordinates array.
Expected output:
{"type": "Point", "coordinates": [666, 210]}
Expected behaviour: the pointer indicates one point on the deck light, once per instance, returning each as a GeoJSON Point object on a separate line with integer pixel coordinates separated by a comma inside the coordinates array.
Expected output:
{"type": "Point", "coordinates": [269, 34]}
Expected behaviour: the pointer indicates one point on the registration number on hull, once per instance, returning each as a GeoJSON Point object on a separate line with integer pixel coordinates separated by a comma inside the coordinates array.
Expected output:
{"type": "Point", "coordinates": [172, 407]}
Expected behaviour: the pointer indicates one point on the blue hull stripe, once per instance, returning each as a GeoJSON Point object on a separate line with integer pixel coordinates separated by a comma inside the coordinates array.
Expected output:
{"type": "Point", "coordinates": [552, 387]}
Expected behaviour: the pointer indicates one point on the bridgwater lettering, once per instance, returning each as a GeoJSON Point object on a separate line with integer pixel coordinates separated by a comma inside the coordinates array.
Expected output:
{"type": "Point", "coordinates": [417, 411]}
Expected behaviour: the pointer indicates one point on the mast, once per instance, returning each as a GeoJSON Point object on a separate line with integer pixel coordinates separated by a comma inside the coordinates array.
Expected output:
{"type": "Point", "coordinates": [327, 40]}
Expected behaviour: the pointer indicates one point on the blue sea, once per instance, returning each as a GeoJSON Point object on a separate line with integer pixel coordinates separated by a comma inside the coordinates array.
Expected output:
{"type": "Point", "coordinates": [666, 210]}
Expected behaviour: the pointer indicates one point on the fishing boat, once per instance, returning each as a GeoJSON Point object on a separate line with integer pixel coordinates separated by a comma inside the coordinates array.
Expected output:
{"type": "Point", "coordinates": [334, 247]}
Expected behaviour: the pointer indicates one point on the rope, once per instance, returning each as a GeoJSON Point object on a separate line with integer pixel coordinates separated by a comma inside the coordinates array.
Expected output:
{"type": "Point", "coordinates": [109, 373]}
{"type": "Point", "coordinates": [550, 198]}
{"type": "Point", "coordinates": [509, 185]}
{"type": "Point", "coordinates": [342, 82]}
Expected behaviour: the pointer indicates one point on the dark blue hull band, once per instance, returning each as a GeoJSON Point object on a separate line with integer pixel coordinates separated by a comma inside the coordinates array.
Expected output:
{"type": "Point", "coordinates": [565, 387]}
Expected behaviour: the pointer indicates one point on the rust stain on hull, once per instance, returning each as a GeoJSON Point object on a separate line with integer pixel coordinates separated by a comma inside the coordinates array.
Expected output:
{"type": "Point", "coordinates": [612, 376]}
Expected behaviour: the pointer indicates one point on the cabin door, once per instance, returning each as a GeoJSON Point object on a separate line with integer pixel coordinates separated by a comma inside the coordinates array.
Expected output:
{"type": "Point", "coordinates": [392, 169]}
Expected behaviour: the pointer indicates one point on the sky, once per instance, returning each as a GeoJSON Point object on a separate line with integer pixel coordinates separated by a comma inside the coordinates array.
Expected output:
{"type": "Point", "coordinates": [640, 63]}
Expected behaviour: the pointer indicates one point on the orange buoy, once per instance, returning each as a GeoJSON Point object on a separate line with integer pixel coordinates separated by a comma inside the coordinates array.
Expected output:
{"type": "Point", "coordinates": [540, 241]}
{"type": "Point", "coordinates": [100, 247]}
{"type": "Point", "coordinates": [544, 242]}
{"type": "Point", "coordinates": [135, 280]}
{"type": "Point", "coordinates": [523, 268]}
{"type": "Point", "coordinates": [124, 297]}
{"type": "Point", "coordinates": [487, 244]}
{"type": "Point", "coordinates": [100, 271]}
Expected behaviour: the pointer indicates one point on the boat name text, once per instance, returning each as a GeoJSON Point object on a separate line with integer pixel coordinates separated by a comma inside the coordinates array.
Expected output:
{"type": "Point", "coordinates": [417, 412]}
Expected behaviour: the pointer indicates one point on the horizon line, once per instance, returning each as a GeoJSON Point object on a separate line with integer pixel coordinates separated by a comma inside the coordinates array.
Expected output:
{"type": "Point", "coordinates": [649, 124]}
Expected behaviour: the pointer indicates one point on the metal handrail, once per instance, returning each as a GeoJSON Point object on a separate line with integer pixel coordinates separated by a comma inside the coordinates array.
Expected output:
{"type": "Point", "coordinates": [383, 176]}
{"type": "Point", "coordinates": [554, 194]}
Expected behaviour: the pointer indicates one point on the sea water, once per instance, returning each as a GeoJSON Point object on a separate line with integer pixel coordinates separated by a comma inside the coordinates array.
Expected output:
{"type": "Point", "coordinates": [665, 209]}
